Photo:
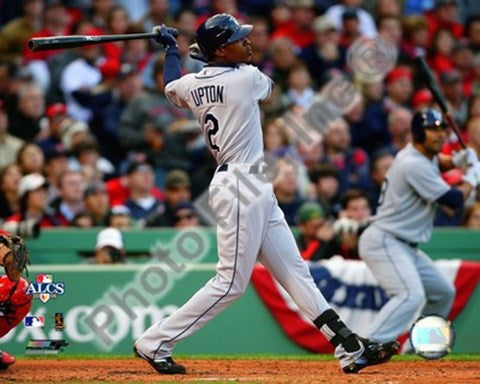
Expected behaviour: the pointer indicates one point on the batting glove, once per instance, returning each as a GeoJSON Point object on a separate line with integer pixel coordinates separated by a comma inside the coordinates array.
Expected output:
{"type": "Point", "coordinates": [346, 225]}
{"type": "Point", "coordinates": [464, 158]}
{"type": "Point", "coordinates": [165, 36]}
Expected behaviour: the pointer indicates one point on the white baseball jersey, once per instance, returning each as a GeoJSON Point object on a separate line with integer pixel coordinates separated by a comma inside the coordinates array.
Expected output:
{"type": "Point", "coordinates": [250, 225]}
{"type": "Point", "coordinates": [225, 102]}
{"type": "Point", "coordinates": [407, 202]}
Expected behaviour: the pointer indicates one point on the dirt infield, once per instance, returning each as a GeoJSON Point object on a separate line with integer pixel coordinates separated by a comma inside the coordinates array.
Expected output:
{"type": "Point", "coordinates": [244, 371]}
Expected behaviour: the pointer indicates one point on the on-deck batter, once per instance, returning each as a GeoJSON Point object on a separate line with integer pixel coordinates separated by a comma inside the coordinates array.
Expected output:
{"type": "Point", "coordinates": [224, 98]}
{"type": "Point", "coordinates": [404, 218]}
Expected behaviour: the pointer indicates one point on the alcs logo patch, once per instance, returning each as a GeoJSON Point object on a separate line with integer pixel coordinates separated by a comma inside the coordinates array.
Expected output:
{"type": "Point", "coordinates": [45, 288]}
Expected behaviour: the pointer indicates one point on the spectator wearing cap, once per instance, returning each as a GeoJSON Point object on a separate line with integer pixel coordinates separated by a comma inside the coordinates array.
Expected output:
{"type": "Point", "coordinates": [299, 28]}
{"type": "Point", "coordinates": [56, 114]}
{"type": "Point", "coordinates": [444, 15]}
{"type": "Point", "coordinates": [9, 145]}
{"type": "Point", "coordinates": [326, 182]}
{"type": "Point", "coordinates": [367, 26]}
{"type": "Point", "coordinates": [451, 84]}
{"type": "Point", "coordinates": [399, 87]}
{"type": "Point", "coordinates": [70, 195]}
{"type": "Point", "coordinates": [56, 163]}
{"type": "Point", "coordinates": [27, 121]}
{"type": "Point", "coordinates": [14, 34]}
{"type": "Point", "coordinates": [109, 248]}
{"type": "Point", "coordinates": [10, 176]}
{"type": "Point", "coordinates": [177, 190]}
{"type": "Point", "coordinates": [315, 238]}
{"type": "Point", "coordinates": [32, 192]}
{"type": "Point", "coordinates": [119, 191]}
{"type": "Point", "coordinates": [73, 133]}
{"type": "Point", "coordinates": [145, 127]}
{"type": "Point", "coordinates": [142, 203]}
{"type": "Point", "coordinates": [421, 99]}
{"type": "Point", "coordinates": [325, 52]}
{"type": "Point", "coordinates": [399, 123]}
{"type": "Point", "coordinates": [95, 199]}
{"type": "Point", "coordinates": [350, 27]}
{"type": "Point", "coordinates": [120, 217]}
{"type": "Point", "coordinates": [185, 215]}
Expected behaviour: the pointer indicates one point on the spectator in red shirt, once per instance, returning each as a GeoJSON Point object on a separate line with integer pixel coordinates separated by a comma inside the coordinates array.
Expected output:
{"type": "Point", "coordinates": [441, 51]}
{"type": "Point", "coordinates": [56, 22]}
{"type": "Point", "coordinates": [399, 86]}
{"type": "Point", "coordinates": [299, 28]}
{"type": "Point", "coordinates": [444, 15]}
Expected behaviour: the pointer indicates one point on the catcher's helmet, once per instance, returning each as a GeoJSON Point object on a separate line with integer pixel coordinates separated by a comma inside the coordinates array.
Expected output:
{"type": "Point", "coordinates": [216, 32]}
{"type": "Point", "coordinates": [426, 118]}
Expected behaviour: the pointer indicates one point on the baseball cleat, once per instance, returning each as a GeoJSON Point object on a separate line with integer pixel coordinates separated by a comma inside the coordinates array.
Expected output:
{"type": "Point", "coordinates": [5, 360]}
{"type": "Point", "coordinates": [374, 353]}
{"type": "Point", "coordinates": [165, 366]}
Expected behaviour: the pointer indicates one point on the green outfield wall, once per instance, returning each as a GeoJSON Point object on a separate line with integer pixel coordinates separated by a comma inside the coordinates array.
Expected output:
{"type": "Point", "coordinates": [128, 297]}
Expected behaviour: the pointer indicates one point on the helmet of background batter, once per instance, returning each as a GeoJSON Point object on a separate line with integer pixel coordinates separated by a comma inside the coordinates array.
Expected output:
{"type": "Point", "coordinates": [218, 31]}
{"type": "Point", "coordinates": [425, 118]}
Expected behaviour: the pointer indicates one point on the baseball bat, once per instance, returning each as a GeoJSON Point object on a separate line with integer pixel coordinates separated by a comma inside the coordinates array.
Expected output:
{"type": "Point", "coordinates": [438, 96]}
{"type": "Point", "coordinates": [74, 41]}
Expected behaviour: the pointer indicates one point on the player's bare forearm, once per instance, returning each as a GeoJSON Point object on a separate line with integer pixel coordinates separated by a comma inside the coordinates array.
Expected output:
{"type": "Point", "coordinates": [445, 162]}
{"type": "Point", "coordinates": [466, 189]}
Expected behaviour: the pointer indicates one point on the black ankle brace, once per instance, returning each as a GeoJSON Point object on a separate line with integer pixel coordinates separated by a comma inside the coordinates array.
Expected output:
{"type": "Point", "coordinates": [341, 333]}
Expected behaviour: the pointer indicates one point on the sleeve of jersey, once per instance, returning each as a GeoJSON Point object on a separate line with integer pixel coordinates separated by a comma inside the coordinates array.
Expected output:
{"type": "Point", "coordinates": [262, 85]}
{"type": "Point", "coordinates": [426, 181]}
{"type": "Point", "coordinates": [174, 92]}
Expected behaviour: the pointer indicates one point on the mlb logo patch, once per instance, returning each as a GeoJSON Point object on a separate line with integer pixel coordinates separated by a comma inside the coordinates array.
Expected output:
{"type": "Point", "coordinates": [43, 278]}
{"type": "Point", "coordinates": [34, 321]}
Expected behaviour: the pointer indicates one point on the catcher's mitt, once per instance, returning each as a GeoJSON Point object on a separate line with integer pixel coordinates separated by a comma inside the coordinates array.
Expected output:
{"type": "Point", "coordinates": [14, 255]}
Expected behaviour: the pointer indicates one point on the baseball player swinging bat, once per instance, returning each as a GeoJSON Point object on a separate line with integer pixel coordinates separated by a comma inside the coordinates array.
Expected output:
{"type": "Point", "coordinates": [438, 96]}
{"type": "Point", "coordinates": [74, 41]}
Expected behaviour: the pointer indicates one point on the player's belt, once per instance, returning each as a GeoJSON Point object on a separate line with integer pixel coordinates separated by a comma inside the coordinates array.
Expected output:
{"type": "Point", "coordinates": [254, 168]}
{"type": "Point", "coordinates": [411, 244]}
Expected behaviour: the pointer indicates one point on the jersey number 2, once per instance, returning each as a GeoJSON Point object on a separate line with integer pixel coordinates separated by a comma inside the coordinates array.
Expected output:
{"type": "Point", "coordinates": [211, 123]}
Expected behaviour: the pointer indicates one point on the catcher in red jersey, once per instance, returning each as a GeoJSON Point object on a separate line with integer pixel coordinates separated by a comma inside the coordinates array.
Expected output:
{"type": "Point", "coordinates": [14, 301]}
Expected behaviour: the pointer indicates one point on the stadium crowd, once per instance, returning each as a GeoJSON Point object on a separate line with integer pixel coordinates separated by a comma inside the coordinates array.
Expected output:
{"type": "Point", "coordinates": [87, 137]}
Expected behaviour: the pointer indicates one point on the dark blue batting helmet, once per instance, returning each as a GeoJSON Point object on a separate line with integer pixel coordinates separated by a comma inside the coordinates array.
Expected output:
{"type": "Point", "coordinates": [424, 119]}
{"type": "Point", "coordinates": [216, 32]}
